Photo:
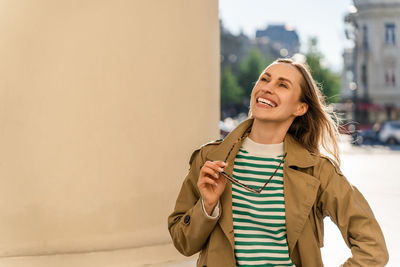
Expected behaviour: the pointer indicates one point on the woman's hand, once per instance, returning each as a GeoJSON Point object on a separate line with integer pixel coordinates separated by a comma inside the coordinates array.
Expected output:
{"type": "Point", "coordinates": [211, 184]}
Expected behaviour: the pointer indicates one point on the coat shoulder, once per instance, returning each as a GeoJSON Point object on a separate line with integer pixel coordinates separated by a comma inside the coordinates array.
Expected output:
{"type": "Point", "coordinates": [211, 143]}
{"type": "Point", "coordinates": [327, 163]}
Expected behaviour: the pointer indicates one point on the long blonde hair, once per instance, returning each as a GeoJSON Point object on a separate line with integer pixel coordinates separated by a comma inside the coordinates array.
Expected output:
{"type": "Point", "coordinates": [316, 127]}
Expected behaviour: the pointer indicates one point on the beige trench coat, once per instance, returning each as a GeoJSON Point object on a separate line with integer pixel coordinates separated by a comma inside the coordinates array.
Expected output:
{"type": "Point", "coordinates": [313, 188]}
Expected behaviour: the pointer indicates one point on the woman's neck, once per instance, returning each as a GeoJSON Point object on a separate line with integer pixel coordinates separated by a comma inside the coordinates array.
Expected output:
{"type": "Point", "coordinates": [268, 132]}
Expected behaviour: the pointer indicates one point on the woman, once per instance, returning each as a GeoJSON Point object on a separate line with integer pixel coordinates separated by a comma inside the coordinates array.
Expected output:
{"type": "Point", "coordinates": [258, 197]}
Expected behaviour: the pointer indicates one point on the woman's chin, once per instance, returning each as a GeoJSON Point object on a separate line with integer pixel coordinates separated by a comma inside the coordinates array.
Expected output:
{"type": "Point", "coordinates": [262, 117]}
{"type": "Point", "coordinates": [260, 113]}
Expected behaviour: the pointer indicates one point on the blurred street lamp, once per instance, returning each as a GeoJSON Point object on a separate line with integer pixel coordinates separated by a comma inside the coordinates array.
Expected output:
{"type": "Point", "coordinates": [353, 86]}
{"type": "Point", "coordinates": [351, 27]}
{"type": "Point", "coordinates": [283, 52]}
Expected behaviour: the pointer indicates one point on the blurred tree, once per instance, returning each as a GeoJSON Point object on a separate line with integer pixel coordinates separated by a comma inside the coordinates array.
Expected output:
{"type": "Point", "coordinates": [250, 69]}
{"type": "Point", "coordinates": [245, 58]}
{"type": "Point", "coordinates": [231, 92]}
{"type": "Point", "coordinates": [233, 49]}
{"type": "Point", "coordinates": [328, 81]}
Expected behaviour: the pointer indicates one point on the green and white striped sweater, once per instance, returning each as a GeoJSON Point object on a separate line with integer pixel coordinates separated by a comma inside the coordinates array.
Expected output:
{"type": "Point", "coordinates": [259, 219]}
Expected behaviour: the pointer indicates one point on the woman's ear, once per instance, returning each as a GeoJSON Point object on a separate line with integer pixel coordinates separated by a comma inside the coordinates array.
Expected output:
{"type": "Point", "coordinates": [301, 109]}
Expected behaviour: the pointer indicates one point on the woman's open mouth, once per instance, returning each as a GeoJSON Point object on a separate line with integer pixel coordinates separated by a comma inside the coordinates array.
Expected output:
{"type": "Point", "coordinates": [265, 103]}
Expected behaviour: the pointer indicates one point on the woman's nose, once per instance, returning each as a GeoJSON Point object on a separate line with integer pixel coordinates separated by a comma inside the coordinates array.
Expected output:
{"type": "Point", "coordinates": [267, 89]}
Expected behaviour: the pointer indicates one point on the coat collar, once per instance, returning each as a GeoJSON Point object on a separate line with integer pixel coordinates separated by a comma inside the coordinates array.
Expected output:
{"type": "Point", "coordinates": [297, 154]}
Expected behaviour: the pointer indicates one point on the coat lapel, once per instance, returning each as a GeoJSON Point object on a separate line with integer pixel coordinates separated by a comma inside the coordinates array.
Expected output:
{"type": "Point", "coordinates": [220, 153]}
{"type": "Point", "coordinates": [300, 189]}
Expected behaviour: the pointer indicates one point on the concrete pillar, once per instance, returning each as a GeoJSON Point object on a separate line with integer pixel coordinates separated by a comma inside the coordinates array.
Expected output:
{"type": "Point", "coordinates": [102, 103]}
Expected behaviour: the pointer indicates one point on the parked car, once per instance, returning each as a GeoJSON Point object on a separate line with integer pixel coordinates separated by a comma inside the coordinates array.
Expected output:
{"type": "Point", "coordinates": [368, 137]}
{"type": "Point", "coordinates": [223, 129]}
{"type": "Point", "coordinates": [390, 132]}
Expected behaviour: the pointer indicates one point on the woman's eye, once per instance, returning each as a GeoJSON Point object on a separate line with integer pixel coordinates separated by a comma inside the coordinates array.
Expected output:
{"type": "Point", "coordinates": [284, 85]}
{"type": "Point", "coordinates": [265, 80]}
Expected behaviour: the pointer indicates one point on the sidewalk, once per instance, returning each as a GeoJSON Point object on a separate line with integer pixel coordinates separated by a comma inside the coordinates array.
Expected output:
{"type": "Point", "coordinates": [154, 256]}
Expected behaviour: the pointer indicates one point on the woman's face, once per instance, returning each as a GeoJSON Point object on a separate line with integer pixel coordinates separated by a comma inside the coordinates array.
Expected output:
{"type": "Point", "coordinates": [275, 97]}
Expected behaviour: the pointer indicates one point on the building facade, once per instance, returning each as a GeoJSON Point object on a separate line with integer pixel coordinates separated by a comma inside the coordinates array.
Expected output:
{"type": "Point", "coordinates": [371, 73]}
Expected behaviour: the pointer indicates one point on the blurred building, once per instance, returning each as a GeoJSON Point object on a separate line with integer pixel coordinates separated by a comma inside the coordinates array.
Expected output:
{"type": "Point", "coordinates": [283, 38]}
{"type": "Point", "coordinates": [371, 73]}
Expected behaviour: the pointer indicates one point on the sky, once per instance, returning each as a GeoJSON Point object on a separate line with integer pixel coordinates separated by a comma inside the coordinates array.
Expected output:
{"type": "Point", "coordinates": [320, 18]}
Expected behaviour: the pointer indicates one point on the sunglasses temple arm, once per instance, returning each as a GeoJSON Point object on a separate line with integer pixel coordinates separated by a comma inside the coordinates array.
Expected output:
{"type": "Point", "coordinates": [239, 183]}
{"type": "Point", "coordinates": [280, 163]}
{"type": "Point", "coordinates": [229, 178]}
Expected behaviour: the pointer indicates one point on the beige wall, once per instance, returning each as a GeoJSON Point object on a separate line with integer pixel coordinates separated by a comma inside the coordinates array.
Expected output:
{"type": "Point", "coordinates": [102, 103]}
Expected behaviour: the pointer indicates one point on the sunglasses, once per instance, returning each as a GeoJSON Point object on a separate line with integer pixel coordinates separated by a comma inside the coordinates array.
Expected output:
{"type": "Point", "coordinates": [235, 181]}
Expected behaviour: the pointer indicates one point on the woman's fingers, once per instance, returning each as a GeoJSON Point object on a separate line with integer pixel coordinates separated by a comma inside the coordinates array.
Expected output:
{"type": "Point", "coordinates": [211, 172]}
{"type": "Point", "coordinates": [209, 184]}
{"type": "Point", "coordinates": [207, 180]}
{"type": "Point", "coordinates": [216, 166]}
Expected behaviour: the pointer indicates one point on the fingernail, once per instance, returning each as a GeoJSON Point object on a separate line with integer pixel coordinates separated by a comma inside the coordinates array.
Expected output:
{"type": "Point", "coordinates": [225, 163]}
{"type": "Point", "coordinates": [216, 175]}
{"type": "Point", "coordinates": [220, 169]}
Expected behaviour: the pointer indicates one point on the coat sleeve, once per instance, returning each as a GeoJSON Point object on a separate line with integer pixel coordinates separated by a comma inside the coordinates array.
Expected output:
{"type": "Point", "coordinates": [188, 224]}
{"type": "Point", "coordinates": [352, 214]}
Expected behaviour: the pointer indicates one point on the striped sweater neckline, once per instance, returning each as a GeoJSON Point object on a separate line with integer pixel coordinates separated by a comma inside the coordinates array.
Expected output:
{"type": "Point", "coordinates": [267, 150]}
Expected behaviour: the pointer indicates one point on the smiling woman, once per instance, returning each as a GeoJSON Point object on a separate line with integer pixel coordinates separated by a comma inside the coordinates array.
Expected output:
{"type": "Point", "coordinates": [258, 197]}
{"type": "Point", "coordinates": [301, 110]}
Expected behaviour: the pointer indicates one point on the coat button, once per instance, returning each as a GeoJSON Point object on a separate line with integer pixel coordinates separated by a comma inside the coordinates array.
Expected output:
{"type": "Point", "coordinates": [186, 220]}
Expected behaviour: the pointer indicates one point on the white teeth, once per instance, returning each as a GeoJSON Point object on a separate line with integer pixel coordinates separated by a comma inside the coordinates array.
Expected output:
{"type": "Point", "coordinates": [265, 101]}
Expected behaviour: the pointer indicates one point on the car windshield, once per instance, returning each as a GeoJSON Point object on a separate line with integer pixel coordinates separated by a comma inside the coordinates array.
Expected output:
{"type": "Point", "coordinates": [395, 125]}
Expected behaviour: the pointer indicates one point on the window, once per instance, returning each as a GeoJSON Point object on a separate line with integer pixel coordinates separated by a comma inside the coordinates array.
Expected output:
{"type": "Point", "coordinates": [390, 33]}
{"type": "Point", "coordinates": [386, 77]}
{"type": "Point", "coordinates": [364, 79]}
{"type": "Point", "coordinates": [365, 37]}
{"type": "Point", "coordinates": [393, 79]}
{"type": "Point", "coordinates": [390, 77]}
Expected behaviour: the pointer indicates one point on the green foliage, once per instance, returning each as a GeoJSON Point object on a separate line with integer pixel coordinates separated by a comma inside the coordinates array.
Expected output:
{"type": "Point", "coordinates": [327, 80]}
{"type": "Point", "coordinates": [250, 69]}
{"type": "Point", "coordinates": [231, 92]}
